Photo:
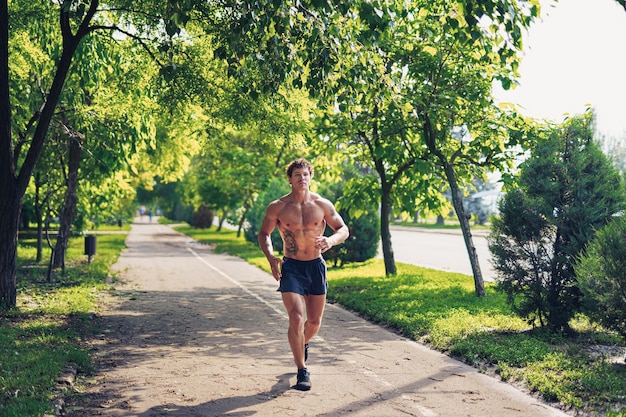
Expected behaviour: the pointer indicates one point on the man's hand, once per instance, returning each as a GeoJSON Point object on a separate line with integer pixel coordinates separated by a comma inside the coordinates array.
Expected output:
{"type": "Point", "coordinates": [276, 265]}
{"type": "Point", "coordinates": [323, 243]}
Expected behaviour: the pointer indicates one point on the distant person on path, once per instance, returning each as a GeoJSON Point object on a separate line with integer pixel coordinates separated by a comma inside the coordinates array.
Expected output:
{"type": "Point", "coordinates": [301, 217]}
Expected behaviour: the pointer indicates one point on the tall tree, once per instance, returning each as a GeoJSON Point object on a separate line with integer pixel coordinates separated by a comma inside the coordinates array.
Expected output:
{"type": "Point", "coordinates": [308, 43]}
{"type": "Point", "coordinates": [413, 92]}
{"type": "Point", "coordinates": [69, 204]}
{"type": "Point", "coordinates": [14, 180]}
{"type": "Point", "coordinates": [76, 20]}
{"type": "Point", "coordinates": [104, 110]}
{"type": "Point", "coordinates": [154, 25]}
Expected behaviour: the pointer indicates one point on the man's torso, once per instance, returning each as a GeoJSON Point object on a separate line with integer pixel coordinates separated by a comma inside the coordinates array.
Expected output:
{"type": "Point", "coordinates": [299, 224]}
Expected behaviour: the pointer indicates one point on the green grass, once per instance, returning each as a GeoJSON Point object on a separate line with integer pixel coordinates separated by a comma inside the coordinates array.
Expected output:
{"type": "Point", "coordinates": [47, 330]}
{"type": "Point", "coordinates": [440, 309]}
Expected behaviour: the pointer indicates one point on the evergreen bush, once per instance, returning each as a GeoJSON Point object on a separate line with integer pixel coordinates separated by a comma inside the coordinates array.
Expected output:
{"type": "Point", "coordinates": [567, 190]}
{"type": "Point", "coordinates": [601, 274]}
{"type": "Point", "coordinates": [362, 244]}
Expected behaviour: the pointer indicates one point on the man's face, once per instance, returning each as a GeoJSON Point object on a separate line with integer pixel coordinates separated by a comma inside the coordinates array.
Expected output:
{"type": "Point", "coordinates": [300, 178]}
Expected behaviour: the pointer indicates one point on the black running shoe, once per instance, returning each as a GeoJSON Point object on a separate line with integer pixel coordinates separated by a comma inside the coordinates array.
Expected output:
{"type": "Point", "coordinates": [304, 380]}
{"type": "Point", "coordinates": [306, 352]}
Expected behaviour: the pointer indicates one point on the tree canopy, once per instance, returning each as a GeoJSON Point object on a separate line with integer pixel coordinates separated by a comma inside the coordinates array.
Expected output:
{"type": "Point", "coordinates": [380, 72]}
{"type": "Point", "coordinates": [402, 80]}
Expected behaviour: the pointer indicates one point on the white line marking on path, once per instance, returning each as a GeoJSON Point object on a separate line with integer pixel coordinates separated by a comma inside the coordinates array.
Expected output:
{"type": "Point", "coordinates": [376, 377]}
{"type": "Point", "coordinates": [425, 411]}
{"type": "Point", "coordinates": [237, 283]}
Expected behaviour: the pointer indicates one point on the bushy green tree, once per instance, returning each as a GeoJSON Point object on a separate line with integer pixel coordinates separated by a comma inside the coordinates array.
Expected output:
{"type": "Point", "coordinates": [567, 190]}
{"type": "Point", "coordinates": [363, 222]}
{"type": "Point", "coordinates": [601, 275]}
{"type": "Point", "coordinates": [362, 244]}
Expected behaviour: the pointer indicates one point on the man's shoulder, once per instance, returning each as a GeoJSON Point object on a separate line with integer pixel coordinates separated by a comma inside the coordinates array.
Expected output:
{"type": "Point", "coordinates": [278, 203]}
{"type": "Point", "coordinates": [319, 199]}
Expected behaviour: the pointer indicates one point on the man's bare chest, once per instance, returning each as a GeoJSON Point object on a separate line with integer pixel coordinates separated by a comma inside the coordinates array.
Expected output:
{"type": "Point", "coordinates": [301, 216]}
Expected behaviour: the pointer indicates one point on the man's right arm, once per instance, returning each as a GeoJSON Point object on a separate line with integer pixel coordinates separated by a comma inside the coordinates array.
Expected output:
{"type": "Point", "coordinates": [265, 241]}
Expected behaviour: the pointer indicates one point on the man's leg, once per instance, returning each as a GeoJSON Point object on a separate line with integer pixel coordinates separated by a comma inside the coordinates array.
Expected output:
{"type": "Point", "coordinates": [294, 304]}
{"type": "Point", "coordinates": [314, 311]}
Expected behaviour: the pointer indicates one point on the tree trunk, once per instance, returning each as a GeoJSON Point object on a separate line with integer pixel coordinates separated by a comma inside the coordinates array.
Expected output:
{"type": "Point", "coordinates": [221, 219]}
{"type": "Point", "coordinates": [69, 205]}
{"type": "Point", "coordinates": [10, 207]}
{"type": "Point", "coordinates": [11, 201]}
{"type": "Point", "coordinates": [457, 201]}
{"type": "Point", "coordinates": [242, 219]}
{"type": "Point", "coordinates": [39, 218]}
{"type": "Point", "coordinates": [385, 234]}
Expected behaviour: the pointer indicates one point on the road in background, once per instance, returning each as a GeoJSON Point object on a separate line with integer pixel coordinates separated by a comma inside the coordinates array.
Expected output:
{"type": "Point", "coordinates": [439, 249]}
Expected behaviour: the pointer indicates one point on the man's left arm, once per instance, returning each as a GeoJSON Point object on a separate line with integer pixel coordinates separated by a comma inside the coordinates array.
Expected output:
{"type": "Point", "coordinates": [335, 222]}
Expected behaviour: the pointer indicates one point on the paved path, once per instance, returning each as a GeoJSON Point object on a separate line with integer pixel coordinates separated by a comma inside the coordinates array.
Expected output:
{"type": "Point", "coordinates": [194, 333]}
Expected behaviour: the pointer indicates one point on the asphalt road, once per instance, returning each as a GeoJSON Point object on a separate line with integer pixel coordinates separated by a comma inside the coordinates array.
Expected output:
{"type": "Point", "coordinates": [191, 333]}
{"type": "Point", "coordinates": [439, 249]}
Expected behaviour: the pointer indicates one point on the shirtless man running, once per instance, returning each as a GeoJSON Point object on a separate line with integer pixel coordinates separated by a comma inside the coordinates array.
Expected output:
{"type": "Point", "coordinates": [301, 217]}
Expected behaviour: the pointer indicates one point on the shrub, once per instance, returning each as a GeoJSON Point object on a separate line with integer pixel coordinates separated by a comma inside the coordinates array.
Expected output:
{"type": "Point", "coordinates": [362, 244]}
{"type": "Point", "coordinates": [567, 190]}
{"type": "Point", "coordinates": [601, 274]}
{"type": "Point", "coordinates": [360, 213]}
{"type": "Point", "coordinates": [202, 218]}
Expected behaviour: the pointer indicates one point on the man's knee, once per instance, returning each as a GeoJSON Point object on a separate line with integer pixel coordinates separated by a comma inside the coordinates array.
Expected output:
{"type": "Point", "coordinates": [314, 321]}
{"type": "Point", "coordinates": [296, 319]}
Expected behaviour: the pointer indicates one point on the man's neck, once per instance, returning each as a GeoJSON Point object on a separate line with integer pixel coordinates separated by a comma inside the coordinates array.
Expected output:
{"type": "Point", "coordinates": [300, 196]}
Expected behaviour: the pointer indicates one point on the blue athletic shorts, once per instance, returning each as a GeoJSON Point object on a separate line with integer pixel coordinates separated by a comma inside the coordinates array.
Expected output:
{"type": "Point", "coordinates": [304, 277]}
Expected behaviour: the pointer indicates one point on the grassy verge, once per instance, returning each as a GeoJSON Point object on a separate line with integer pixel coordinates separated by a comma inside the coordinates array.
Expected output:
{"type": "Point", "coordinates": [45, 333]}
{"type": "Point", "coordinates": [441, 310]}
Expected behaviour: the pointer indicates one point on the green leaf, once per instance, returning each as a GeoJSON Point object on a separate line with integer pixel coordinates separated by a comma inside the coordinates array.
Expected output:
{"type": "Point", "coordinates": [220, 53]}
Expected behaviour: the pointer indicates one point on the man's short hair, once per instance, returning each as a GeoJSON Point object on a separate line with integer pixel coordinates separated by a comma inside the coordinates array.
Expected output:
{"type": "Point", "coordinates": [299, 163]}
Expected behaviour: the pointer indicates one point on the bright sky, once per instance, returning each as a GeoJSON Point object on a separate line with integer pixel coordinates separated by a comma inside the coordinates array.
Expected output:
{"type": "Point", "coordinates": [575, 57]}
